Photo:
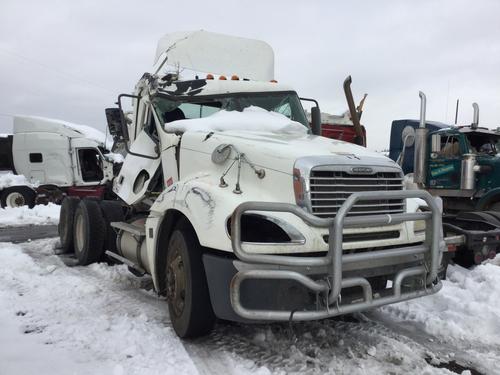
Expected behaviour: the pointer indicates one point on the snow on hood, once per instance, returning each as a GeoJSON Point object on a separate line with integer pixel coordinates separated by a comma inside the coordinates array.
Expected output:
{"type": "Point", "coordinates": [254, 119]}
{"type": "Point", "coordinates": [280, 150]}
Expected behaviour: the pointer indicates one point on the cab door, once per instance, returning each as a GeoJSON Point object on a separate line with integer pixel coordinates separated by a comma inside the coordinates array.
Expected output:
{"type": "Point", "coordinates": [143, 159]}
{"type": "Point", "coordinates": [445, 161]}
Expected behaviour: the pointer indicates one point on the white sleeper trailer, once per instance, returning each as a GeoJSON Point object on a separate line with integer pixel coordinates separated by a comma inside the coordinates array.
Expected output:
{"type": "Point", "coordinates": [57, 158]}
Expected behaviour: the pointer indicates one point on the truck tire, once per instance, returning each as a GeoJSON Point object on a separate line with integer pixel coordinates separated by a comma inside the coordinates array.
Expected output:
{"type": "Point", "coordinates": [18, 196]}
{"type": "Point", "coordinates": [112, 211]}
{"type": "Point", "coordinates": [89, 232]}
{"type": "Point", "coordinates": [66, 220]}
{"type": "Point", "coordinates": [188, 297]}
{"type": "Point", "coordinates": [494, 206]}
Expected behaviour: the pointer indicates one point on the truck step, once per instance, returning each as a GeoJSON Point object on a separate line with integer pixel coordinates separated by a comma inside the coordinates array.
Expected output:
{"type": "Point", "coordinates": [138, 270]}
{"type": "Point", "coordinates": [134, 229]}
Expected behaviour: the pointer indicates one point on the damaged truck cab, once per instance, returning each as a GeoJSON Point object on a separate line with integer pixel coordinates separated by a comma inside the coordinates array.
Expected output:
{"type": "Point", "coordinates": [238, 211]}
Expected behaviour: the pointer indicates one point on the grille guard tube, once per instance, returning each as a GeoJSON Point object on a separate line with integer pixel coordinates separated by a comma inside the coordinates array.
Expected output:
{"type": "Point", "coordinates": [431, 248]}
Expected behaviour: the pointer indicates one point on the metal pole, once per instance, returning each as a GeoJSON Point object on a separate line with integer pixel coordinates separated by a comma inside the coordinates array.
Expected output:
{"type": "Point", "coordinates": [360, 139]}
{"type": "Point", "coordinates": [420, 144]}
{"type": "Point", "coordinates": [475, 120]}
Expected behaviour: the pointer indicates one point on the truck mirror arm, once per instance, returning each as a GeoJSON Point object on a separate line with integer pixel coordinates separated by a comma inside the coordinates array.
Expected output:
{"type": "Point", "coordinates": [315, 116]}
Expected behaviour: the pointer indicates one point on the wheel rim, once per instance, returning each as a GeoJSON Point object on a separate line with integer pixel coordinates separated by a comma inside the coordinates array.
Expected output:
{"type": "Point", "coordinates": [79, 233]}
{"type": "Point", "coordinates": [176, 284]}
{"type": "Point", "coordinates": [15, 199]}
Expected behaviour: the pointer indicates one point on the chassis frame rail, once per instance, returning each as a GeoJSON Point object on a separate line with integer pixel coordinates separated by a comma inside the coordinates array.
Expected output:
{"type": "Point", "coordinates": [331, 287]}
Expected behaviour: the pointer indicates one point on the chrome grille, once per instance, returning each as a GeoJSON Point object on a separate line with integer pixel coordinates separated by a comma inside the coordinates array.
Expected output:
{"type": "Point", "coordinates": [329, 190]}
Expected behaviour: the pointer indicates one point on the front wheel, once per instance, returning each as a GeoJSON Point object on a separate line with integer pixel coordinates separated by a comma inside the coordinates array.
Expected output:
{"type": "Point", "coordinates": [494, 206]}
{"type": "Point", "coordinates": [188, 297]}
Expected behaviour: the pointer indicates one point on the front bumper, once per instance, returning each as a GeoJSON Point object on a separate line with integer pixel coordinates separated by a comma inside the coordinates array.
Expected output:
{"type": "Point", "coordinates": [260, 286]}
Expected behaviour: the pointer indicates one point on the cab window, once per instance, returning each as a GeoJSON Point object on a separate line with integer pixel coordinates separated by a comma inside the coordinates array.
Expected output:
{"type": "Point", "coordinates": [450, 146]}
{"type": "Point", "coordinates": [90, 165]}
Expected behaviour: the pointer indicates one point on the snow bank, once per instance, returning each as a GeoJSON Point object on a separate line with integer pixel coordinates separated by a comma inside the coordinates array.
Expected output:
{"type": "Point", "coordinates": [105, 316]}
{"type": "Point", "coordinates": [251, 119]}
{"type": "Point", "coordinates": [96, 314]}
{"type": "Point", "coordinates": [24, 353]}
{"type": "Point", "coordinates": [10, 179]}
{"type": "Point", "coordinates": [37, 215]}
{"type": "Point", "coordinates": [466, 309]}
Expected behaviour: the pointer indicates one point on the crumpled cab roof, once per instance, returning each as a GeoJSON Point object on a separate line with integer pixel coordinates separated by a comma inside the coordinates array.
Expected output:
{"type": "Point", "coordinates": [214, 53]}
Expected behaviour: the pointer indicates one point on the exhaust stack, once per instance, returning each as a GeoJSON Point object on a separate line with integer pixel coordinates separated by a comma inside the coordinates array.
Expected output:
{"type": "Point", "coordinates": [475, 120]}
{"type": "Point", "coordinates": [420, 144]}
{"type": "Point", "coordinates": [360, 138]}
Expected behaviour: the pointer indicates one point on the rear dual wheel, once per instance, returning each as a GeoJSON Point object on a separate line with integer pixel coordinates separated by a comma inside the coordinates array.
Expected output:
{"type": "Point", "coordinates": [66, 220]}
{"type": "Point", "coordinates": [89, 232]}
{"type": "Point", "coordinates": [84, 228]}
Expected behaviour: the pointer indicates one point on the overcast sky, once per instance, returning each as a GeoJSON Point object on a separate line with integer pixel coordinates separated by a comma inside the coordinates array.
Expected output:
{"type": "Point", "coordinates": [70, 59]}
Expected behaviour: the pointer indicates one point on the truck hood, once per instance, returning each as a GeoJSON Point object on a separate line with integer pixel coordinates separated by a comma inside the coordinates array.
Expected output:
{"type": "Point", "coordinates": [280, 151]}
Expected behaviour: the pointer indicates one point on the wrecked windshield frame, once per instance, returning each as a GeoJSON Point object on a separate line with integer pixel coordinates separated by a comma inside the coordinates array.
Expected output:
{"type": "Point", "coordinates": [285, 103]}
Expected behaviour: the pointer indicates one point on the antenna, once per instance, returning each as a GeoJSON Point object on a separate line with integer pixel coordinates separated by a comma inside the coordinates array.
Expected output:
{"type": "Point", "coordinates": [456, 111]}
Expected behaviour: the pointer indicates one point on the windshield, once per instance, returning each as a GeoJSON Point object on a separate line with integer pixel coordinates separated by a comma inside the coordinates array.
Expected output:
{"type": "Point", "coordinates": [483, 143]}
{"type": "Point", "coordinates": [286, 103]}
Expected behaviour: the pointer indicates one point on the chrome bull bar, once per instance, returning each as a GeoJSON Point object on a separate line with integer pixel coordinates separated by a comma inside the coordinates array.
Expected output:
{"type": "Point", "coordinates": [331, 286]}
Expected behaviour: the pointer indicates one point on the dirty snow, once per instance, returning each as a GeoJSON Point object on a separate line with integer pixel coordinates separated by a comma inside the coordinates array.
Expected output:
{"type": "Point", "coordinates": [251, 119]}
{"type": "Point", "coordinates": [99, 314]}
{"type": "Point", "coordinates": [102, 320]}
{"type": "Point", "coordinates": [39, 214]}
{"type": "Point", "coordinates": [467, 310]}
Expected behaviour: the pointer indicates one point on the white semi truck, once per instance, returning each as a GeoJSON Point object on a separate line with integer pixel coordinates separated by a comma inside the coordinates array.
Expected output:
{"type": "Point", "coordinates": [239, 211]}
{"type": "Point", "coordinates": [57, 158]}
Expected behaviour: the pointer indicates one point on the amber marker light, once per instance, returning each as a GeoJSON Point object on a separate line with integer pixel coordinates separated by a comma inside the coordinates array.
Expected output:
{"type": "Point", "coordinates": [298, 186]}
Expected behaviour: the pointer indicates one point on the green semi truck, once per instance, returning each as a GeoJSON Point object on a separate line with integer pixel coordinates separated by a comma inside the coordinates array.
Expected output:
{"type": "Point", "coordinates": [460, 164]}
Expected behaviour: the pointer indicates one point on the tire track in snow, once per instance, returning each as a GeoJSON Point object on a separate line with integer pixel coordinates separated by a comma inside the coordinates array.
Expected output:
{"type": "Point", "coordinates": [359, 344]}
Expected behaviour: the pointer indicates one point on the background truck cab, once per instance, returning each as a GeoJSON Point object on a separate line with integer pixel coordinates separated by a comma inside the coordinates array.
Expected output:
{"type": "Point", "coordinates": [456, 163]}
{"type": "Point", "coordinates": [461, 162]}
{"type": "Point", "coordinates": [57, 158]}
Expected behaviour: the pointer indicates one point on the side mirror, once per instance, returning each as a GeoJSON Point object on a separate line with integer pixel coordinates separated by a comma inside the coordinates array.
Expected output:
{"type": "Point", "coordinates": [116, 124]}
{"type": "Point", "coordinates": [315, 116]}
{"type": "Point", "coordinates": [316, 120]}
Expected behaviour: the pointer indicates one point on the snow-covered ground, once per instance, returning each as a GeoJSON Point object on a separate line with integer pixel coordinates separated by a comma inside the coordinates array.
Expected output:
{"type": "Point", "coordinates": [58, 318]}
{"type": "Point", "coordinates": [38, 215]}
